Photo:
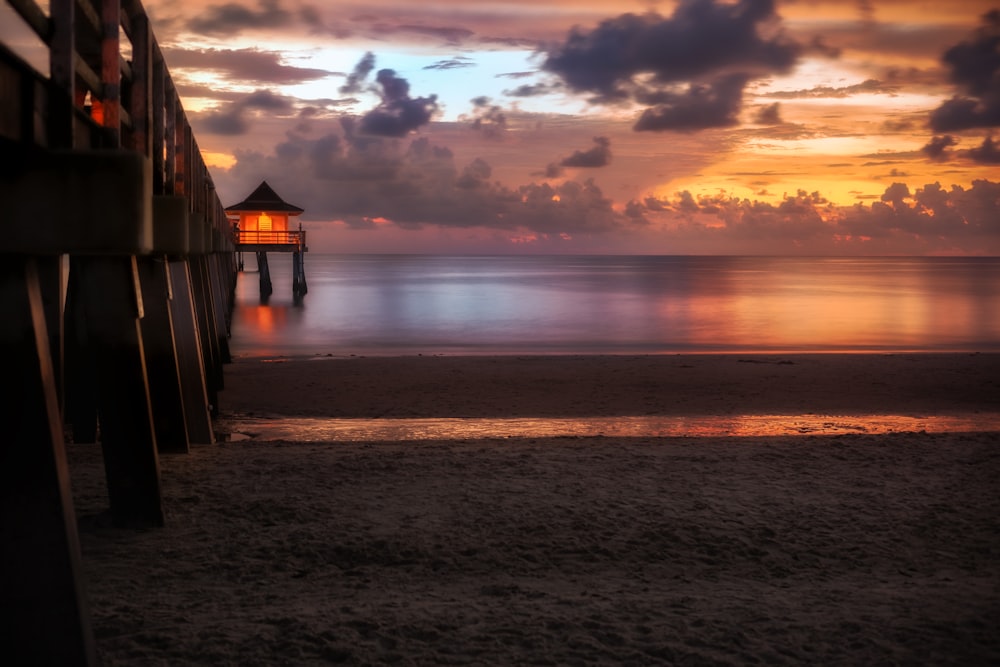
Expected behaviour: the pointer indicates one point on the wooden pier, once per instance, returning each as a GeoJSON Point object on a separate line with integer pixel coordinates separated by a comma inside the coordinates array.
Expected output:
{"type": "Point", "coordinates": [117, 276]}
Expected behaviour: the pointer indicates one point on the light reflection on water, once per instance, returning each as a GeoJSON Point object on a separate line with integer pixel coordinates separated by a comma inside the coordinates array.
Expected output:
{"type": "Point", "coordinates": [406, 304]}
{"type": "Point", "coordinates": [309, 429]}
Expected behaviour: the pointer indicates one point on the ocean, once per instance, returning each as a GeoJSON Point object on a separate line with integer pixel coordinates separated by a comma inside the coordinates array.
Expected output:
{"type": "Point", "coordinates": [423, 304]}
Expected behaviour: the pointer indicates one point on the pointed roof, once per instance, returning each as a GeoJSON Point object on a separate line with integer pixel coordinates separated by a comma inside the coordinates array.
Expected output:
{"type": "Point", "coordinates": [264, 198]}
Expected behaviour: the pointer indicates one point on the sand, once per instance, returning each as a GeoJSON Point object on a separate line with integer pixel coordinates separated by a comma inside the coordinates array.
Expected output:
{"type": "Point", "coordinates": [834, 550]}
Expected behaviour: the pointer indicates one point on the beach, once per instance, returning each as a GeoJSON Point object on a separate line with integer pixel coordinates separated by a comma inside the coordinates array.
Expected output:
{"type": "Point", "coordinates": [846, 549]}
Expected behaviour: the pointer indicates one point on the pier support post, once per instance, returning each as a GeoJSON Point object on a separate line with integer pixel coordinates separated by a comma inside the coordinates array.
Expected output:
{"type": "Point", "coordinates": [110, 304]}
{"type": "Point", "coordinates": [190, 357]}
{"type": "Point", "coordinates": [265, 276]}
{"type": "Point", "coordinates": [202, 295]}
{"type": "Point", "coordinates": [158, 337]}
{"type": "Point", "coordinates": [220, 296]}
{"type": "Point", "coordinates": [45, 617]}
{"type": "Point", "coordinates": [299, 287]}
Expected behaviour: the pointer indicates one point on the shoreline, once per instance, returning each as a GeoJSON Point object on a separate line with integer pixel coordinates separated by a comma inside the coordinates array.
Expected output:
{"type": "Point", "coordinates": [612, 385]}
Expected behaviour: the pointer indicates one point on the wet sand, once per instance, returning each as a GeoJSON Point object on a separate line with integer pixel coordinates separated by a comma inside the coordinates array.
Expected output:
{"type": "Point", "coordinates": [836, 550]}
{"type": "Point", "coordinates": [591, 386]}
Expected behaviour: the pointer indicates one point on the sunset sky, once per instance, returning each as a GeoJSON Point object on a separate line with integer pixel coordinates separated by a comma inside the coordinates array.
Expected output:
{"type": "Point", "coordinates": [587, 126]}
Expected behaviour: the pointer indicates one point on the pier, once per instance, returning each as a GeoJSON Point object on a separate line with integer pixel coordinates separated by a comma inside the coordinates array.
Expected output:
{"type": "Point", "coordinates": [117, 277]}
{"type": "Point", "coordinates": [261, 225]}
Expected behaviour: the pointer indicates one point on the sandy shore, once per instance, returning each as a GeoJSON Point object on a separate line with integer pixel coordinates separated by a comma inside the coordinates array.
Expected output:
{"type": "Point", "coordinates": [842, 550]}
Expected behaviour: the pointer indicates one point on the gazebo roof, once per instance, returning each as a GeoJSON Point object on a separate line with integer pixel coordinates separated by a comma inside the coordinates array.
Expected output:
{"type": "Point", "coordinates": [264, 198]}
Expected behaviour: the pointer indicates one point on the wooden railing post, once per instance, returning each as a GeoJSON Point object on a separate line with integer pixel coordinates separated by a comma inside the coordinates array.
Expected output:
{"type": "Point", "coordinates": [111, 21]}
{"type": "Point", "coordinates": [62, 73]}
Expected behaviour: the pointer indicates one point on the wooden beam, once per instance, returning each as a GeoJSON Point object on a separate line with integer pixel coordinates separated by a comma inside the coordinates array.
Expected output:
{"type": "Point", "coordinates": [86, 11]}
{"type": "Point", "coordinates": [34, 17]}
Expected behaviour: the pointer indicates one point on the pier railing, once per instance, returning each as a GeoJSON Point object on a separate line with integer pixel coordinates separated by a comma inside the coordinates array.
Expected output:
{"type": "Point", "coordinates": [117, 273]}
{"type": "Point", "coordinates": [293, 238]}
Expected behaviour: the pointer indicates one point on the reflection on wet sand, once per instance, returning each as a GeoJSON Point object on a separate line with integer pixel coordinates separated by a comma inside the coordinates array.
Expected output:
{"type": "Point", "coordinates": [305, 429]}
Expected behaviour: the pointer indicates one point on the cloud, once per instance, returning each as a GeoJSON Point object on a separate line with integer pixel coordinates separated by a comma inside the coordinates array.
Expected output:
{"type": "Point", "coordinates": [359, 74]}
{"type": "Point", "coordinates": [987, 153]}
{"type": "Point", "coordinates": [233, 121]}
{"type": "Point", "coordinates": [350, 177]}
{"type": "Point", "coordinates": [531, 90]}
{"type": "Point", "coordinates": [475, 175]}
{"type": "Point", "coordinates": [447, 35]}
{"type": "Point", "coordinates": [233, 17]}
{"type": "Point", "coordinates": [768, 115]}
{"type": "Point", "coordinates": [700, 107]}
{"type": "Point", "coordinates": [460, 62]}
{"type": "Point", "coordinates": [974, 66]}
{"type": "Point", "coordinates": [598, 156]}
{"type": "Point", "coordinates": [715, 48]}
{"type": "Point", "coordinates": [926, 220]}
{"type": "Point", "coordinates": [398, 114]}
{"type": "Point", "coordinates": [488, 118]}
{"type": "Point", "coordinates": [937, 148]}
{"type": "Point", "coordinates": [869, 86]}
{"type": "Point", "coordinates": [244, 64]}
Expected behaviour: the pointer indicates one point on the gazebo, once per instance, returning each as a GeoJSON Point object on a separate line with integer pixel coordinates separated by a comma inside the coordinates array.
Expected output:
{"type": "Point", "coordinates": [261, 224]}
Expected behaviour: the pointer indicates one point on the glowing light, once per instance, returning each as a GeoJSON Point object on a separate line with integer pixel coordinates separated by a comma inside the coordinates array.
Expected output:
{"type": "Point", "coordinates": [305, 429]}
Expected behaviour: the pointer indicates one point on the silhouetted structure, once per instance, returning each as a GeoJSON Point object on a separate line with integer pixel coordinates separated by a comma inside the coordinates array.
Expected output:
{"type": "Point", "coordinates": [117, 277]}
{"type": "Point", "coordinates": [262, 225]}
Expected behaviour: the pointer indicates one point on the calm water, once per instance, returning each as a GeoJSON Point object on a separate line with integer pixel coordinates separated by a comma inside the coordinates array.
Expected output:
{"type": "Point", "coordinates": [409, 304]}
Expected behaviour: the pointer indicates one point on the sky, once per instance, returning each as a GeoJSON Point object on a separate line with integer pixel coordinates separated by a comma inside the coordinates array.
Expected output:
{"type": "Point", "coordinates": [806, 127]}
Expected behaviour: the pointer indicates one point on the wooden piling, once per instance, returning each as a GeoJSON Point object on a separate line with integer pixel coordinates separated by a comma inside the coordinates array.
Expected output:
{"type": "Point", "coordinates": [45, 617]}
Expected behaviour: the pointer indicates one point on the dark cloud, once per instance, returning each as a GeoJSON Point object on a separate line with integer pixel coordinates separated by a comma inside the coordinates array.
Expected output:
{"type": "Point", "coordinates": [531, 90]}
{"type": "Point", "coordinates": [974, 66]}
{"type": "Point", "coordinates": [359, 74]}
{"type": "Point", "coordinates": [475, 175]}
{"type": "Point", "coordinates": [232, 17]}
{"type": "Point", "coordinates": [232, 120]}
{"type": "Point", "coordinates": [488, 118]}
{"type": "Point", "coordinates": [937, 148]}
{"type": "Point", "coordinates": [987, 153]}
{"type": "Point", "coordinates": [516, 75]}
{"type": "Point", "coordinates": [244, 64]}
{"type": "Point", "coordinates": [963, 218]}
{"type": "Point", "coordinates": [768, 115]}
{"type": "Point", "coordinates": [398, 114]}
{"type": "Point", "coordinates": [713, 47]}
{"type": "Point", "coordinates": [598, 156]}
{"type": "Point", "coordinates": [700, 107]}
{"type": "Point", "coordinates": [460, 62]}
